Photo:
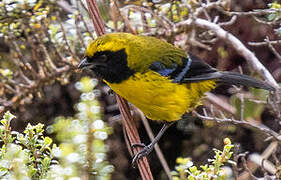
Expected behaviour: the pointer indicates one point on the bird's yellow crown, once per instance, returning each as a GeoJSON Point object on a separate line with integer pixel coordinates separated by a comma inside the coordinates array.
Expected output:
{"type": "Point", "coordinates": [141, 51]}
{"type": "Point", "coordinates": [109, 42]}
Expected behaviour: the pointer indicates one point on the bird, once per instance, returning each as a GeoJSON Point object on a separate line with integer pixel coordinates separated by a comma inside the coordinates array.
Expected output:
{"type": "Point", "coordinates": [163, 81]}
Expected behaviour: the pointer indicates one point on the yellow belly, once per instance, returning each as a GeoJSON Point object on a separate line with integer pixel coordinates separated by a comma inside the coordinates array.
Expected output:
{"type": "Point", "coordinates": [160, 99]}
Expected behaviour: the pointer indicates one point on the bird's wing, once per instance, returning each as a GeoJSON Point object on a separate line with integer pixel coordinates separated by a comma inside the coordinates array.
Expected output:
{"type": "Point", "coordinates": [192, 69]}
{"type": "Point", "coordinates": [199, 71]}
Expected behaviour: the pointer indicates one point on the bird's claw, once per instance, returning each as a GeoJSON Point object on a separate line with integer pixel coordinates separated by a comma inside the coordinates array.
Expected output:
{"type": "Point", "coordinates": [138, 145]}
{"type": "Point", "coordinates": [110, 92]}
{"type": "Point", "coordinates": [144, 152]}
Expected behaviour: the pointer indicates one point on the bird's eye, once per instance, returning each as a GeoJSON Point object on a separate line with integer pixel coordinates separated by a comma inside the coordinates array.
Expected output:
{"type": "Point", "coordinates": [102, 58]}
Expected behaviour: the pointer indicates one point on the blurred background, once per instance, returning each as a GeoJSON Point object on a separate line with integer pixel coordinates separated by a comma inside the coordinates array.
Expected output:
{"type": "Point", "coordinates": [42, 42]}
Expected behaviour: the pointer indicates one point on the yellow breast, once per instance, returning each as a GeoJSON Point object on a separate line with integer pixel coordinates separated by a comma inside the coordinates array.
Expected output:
{"type": "Point", "coordinates": [158, 98]}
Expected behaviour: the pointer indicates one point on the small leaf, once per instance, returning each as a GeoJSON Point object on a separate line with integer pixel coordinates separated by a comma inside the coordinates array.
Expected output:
{"type": "Point", "coordinates": [271, 17]}
{"type": "Point", "coordinates": [47, 141]}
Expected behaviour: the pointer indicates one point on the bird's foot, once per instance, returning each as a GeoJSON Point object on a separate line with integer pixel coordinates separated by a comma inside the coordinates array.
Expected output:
{"type": "Point", "coordinates": [142, 153]}
{"type": "Point", "coordinates": [110, 92]}
{"type": "Point", "coordinates": [138, 145]}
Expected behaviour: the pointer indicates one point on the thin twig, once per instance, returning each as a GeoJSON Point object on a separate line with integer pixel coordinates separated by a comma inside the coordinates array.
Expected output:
{"type": "Point", "coordinates": [77, 20]}
{"type": "Point", "coordinates": [276, 42]}
{"type": "Point", "coordinates": [261, 128]}
{"type": "Point", "coordinates": [272, 48]}
{"type": "Point", "coordinates": [88, 30]}
{"type": "Point", "coordinates": [247, 168]}
{"type": "Point", "coordinates": [230, 22]}
{"type": "Point", "coordinates": [211, 5]}
{"type": "Point", "coordinates": [165, 22]}
{"type": "Point", "coordinates": [65, 37]}
{"type": "Point", "coordinates": [265, 155]}
{"type": "Point", "coordinates": [257, 12]}
{"type": "Point", "coordinates": [158, 151]}
{"type": "Point", "coordinates": [221, 103]}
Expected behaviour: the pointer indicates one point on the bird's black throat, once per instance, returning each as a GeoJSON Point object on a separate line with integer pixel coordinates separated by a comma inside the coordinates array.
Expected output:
{"type": "Point", "coordinates": [115, 69]}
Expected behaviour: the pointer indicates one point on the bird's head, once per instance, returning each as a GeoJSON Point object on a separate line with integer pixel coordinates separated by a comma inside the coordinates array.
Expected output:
{"type": "Point", "coordinates": [107, 57]}
{"type": "Point", "coordinates": [117, 56]}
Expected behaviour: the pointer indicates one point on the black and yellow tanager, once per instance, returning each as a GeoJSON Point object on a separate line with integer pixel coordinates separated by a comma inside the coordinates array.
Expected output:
{"type": "Point", "coordinates": [163, 81]}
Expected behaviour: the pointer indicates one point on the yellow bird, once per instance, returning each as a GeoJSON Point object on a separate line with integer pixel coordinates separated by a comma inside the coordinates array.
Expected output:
{"type": "Point", "coordinates": [163, 81]}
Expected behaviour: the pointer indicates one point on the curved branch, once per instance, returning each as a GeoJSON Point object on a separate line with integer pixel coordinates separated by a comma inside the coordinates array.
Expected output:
{"type": "Point", "coordinates": [236, 44]}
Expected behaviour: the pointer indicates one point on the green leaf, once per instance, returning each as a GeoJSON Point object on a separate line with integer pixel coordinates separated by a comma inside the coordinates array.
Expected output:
{"type": "Point", "coordinates": [251, 109]}
{"type": "Point", "coordinates": [271, 17]}
{"type": "Point", "coordinates": [9, 116]}
{"type": "Point", "coordinates": [193, 169]}
{"type": "Point", "coordinates": [4, 121]}
{"type": "Point", "coordinates": [31, 171]}
{"type": "Point", "coordinates": [47, 141]}
{"type": "Point", "coordinates": [46, 162]}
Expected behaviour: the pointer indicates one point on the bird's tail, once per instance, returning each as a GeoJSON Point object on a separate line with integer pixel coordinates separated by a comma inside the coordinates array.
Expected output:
{"type": "Point", "coordinates": [241, 79]}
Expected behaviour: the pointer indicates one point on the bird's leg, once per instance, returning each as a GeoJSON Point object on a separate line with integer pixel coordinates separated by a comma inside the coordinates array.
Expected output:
{"type": "Point", "coordinates": [110, 92]}
{"type": "Point", "coordinates": [147, 149]}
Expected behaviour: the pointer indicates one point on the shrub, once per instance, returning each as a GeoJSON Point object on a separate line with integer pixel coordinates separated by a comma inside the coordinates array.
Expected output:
{"type": "Point", "coordinates": [81, 153]}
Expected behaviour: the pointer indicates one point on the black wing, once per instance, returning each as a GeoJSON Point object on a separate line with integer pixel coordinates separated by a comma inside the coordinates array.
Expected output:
{"type": "Point", "coordinates": [192, 69]}
{"type": "Point", "coordinates": [199, 71]}
{"type": "Point", "coordinates": [195, 70]}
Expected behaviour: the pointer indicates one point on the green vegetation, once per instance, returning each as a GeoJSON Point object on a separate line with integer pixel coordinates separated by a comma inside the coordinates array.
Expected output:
{"type": "Point", "coordinates": [186, 170]}
{"type": "Point", "coordinates": [81, 153]}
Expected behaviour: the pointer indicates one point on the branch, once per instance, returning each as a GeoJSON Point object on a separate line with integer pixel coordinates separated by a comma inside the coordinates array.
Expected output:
{"type": "Point", "coordinates": [274, 51]}
{"type": "Point", "coordinates": [133, 136]}
{"type": "Point", "coordinates": [235, 43]}
{"type": "Point", "coordinates": [156, 147]}
{"type": "Point", "coordinates": [128, 121]}
{"type": "Point", "coordinates": [277, 42]}
{"type": "Point", "coordinates": [256, 12]}
{"type": "Point", "coordinates": [253, 166]}
{"type": "Point", "coordinates": [219, 103]}
{"type": "Point", "coordinates": [211, 5]}
{"type": "Point", "coordinates": [262, 128]}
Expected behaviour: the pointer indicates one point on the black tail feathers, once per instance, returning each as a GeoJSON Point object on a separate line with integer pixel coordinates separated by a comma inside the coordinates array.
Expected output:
{"type": "Point", "coordinates": [241, 79]}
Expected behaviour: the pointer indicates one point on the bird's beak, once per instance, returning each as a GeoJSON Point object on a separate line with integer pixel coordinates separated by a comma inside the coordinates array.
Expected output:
{"type": "Point", "coordinates": [87, 62]}
{"type": "Point", "coordinates": [84, 63]}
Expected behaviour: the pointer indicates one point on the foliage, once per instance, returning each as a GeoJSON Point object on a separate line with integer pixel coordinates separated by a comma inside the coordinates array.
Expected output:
{"type": "Point", "coordinates": [81, 153]}
{"type": "Point", "coordinates": [44, 46]}
{"type": "Point", "coordinates": [26, 155]}
{"type": "Point", "coordinates": [21, 19]}
{"type": "Point", "coordinates": [186, 170]}
{"type": "Point", "coordinates": [275, 16]}
{"type": "Point", "coordinates": [83, 150]}
{"type": "Point", "coordinates": [250, 108]}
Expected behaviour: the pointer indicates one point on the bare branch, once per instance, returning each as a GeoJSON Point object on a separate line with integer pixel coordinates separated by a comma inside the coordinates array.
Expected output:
{"type": "Point", "coordinates": [260, 127]}
{"type": "Point", "coordinates": [276, 42]}
{"type": "Point", "coordinates": [235, 43]}
{"type": "Point", "coordinates": [156, 147]}
{"type": "Point", "coordinates": [230, 22]}
{"type": "Point", "coordinates": [272, 48]}
{"type": "Point", "coordinates": [256, 12]}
